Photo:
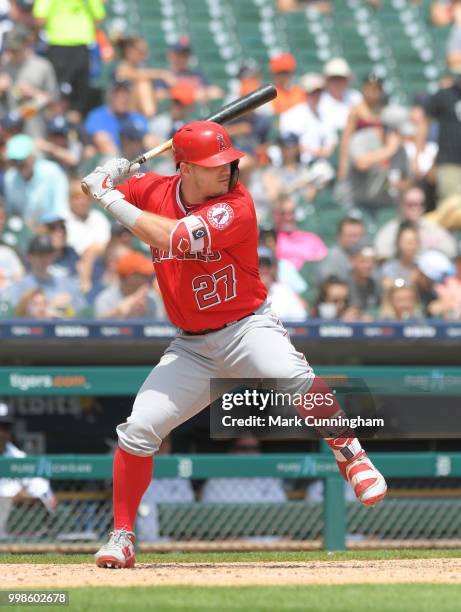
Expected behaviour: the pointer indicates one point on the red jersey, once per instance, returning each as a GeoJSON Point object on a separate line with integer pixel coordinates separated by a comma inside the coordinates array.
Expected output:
{"type": "Point", "coordinates": [210, 275]}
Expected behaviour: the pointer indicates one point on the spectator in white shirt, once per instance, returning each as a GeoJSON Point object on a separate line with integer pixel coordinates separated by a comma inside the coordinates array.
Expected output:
{"type": "Point", "coordinates": [313, 127]}
{"type": "Point", "coordinates": [18, 490]}
{"type": "Point", "coordinates": [86, 226]}
{"type": "Point", "coordinates": [285, 302]}
{"type": "Point", "coordinates": [338, 98]}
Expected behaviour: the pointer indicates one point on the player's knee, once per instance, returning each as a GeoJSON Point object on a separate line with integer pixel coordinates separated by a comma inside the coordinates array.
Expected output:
{"type": "Point", "coordinates": [138, 437]}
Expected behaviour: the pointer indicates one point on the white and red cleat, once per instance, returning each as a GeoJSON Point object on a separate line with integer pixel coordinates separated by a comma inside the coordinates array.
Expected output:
{"type": "Point", "coordinates": [368, 483]}
{"type": "Point", "coordinates": [119, 552]}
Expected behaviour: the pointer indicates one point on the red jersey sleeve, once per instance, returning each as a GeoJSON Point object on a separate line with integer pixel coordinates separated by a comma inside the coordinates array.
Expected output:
{"type": "Point", "coordinates": [139, 188]}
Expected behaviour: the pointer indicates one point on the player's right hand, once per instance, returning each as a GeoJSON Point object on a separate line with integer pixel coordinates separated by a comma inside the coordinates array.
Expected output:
{"type": "Point", "coordinates": [104, 178]}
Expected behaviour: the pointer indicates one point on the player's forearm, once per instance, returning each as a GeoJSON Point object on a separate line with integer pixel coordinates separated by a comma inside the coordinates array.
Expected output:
{"type": "Point", "coordinates": [153, 229]}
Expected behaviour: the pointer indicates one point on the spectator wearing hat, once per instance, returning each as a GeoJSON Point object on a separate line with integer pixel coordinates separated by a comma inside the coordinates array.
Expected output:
{"type": "Point", "coordinates": [412, 207]}
{"type": "Point", "coordinates": [33, 186]}
{"type": "Point", "coordinates": [434, 270]}
{"type": "Point", "coordinates": [66, 259]}
{"type": "Point", "coordinates": [365, 114]}
{"type": "Point", "coordinates": [103, 123]}
{"type": "Point", "coordinates": [70, 30]}
{"type": "Point", "coordinates": [27, 81]}
{"type": "Point", "coordinates": [317, 137]}
{"type": "Point", "coordinates": [133, 297]}
{"type": "Point", "coordinates": [57, 146]}
{"type": "Point", "coordinates": [351, 230]}
{"type": "Point", "coordinates": [14, 491]}
{"type": "Point", "coordinates": [183, 98]}
{"type": "Point", "coordinates": [284, 301]}
{"type": "Point", "coordinates": [338, 98]}
{"type": "Point", "coordinates": [364, 289]}
{"type": "Point", "coordinates": [290, 176]}
{"type": "Point", "coordinates": [62, 293]}
{"type": "Point", "coordinates": [283, 67]}
{"type": "Point", "coordinates": [179, 58]}
{"type": "Point", "coordinates": [447, 304]}
{"type": "Point", "coordinates": [133, 68]}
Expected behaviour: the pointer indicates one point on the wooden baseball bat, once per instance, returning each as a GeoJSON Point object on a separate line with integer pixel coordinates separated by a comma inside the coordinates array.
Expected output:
{"type": "Point", "coordinates": [231, 111]}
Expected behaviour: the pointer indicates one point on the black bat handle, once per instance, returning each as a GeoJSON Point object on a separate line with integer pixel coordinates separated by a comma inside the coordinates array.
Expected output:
{"type": "Point", "coordinates": [244, 105]}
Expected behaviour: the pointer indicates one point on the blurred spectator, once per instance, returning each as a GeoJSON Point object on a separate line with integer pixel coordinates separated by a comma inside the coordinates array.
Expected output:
{"type": "Point", "coordinates": [364, 290]}
{"type": "Point", "coordinates": [21, 12]}
{"type": "Point", "coordinates": [338, 98]}
{"type": "Point", "coordinates": [454, 41]}
{"type": "Point", "coordinates": [62, 293]}
{"type": "Point", "coordinates": [70, 31]}
{"type": "Point", "coordinates": [443, 106]}
{"type": "Point", "coordinates": [87, 227]}
{"type": "Point", "coordinates": [294, 245]}
{"type": "Point", "coordinates": [290, 177]}
{"type": "Point", "coordinates": [132, 139]}
{"type": "Point", "coordinates": [104, 123]}
{"type": "Point", "coordinates": [133, 297]}
{"type": "Point", "coordinates": [283, 67]}
{"type": "Point", "coordinates": [164, 125]}
{"type": "Point", "coordinates": [249, 78]}
{"type": "Point", "coordinates": [33, 186]}
{"type": "Point", "coordinates": [433, 267]}
{"type": "Point", "coordinates": [57, 146]}
{"type": "Point", "coordinates": [33, 305]}
{"type": "Point", "coordinates": [333, 301]}
{"type": "Point", "coordinates": [365, 114]}
{"type": "Point", "coordinates": [66, 259]}
{"type": "Point", "coordinates": [13, 231]}
{"type": "Point", "coordinates": [27, 82]}
{"type": "Point", "coordinates": [179, 60]}
{"type": "Point", "coordinates": [378, 170]}
{"type": "Point", "coordinates": [351, 230]}
{"type": "Point", "coordinates": [243, 490]}
{"type": "Point", "coordinates": [447, 304]}
{"type": "Point", "coordinates": [99, 271]}
{"type": "Point", "coordinates": [11, 268]}
{"type": "Point", "coordinates": [321, 6]}
{"type": "Point", "coordinates": [16, 491]}
{"type": "Point", "coordinates": [284, 301]}
{"type": "Point", "coordinates": [403, 266]}
{"type": "Point", "coordinates": [161, 491]}
{"type": "Point", "coordinates": [317, 137]}
{"type": "Point", "coordinates": [401, 302]}
{"type": "Point", "coordinates": [133, 68]}
{"type": "Point", "coordinates": [442, 11]}
{"type": "Point", "coordinates": [431, 235]}
{"type": "Point", "coordinates": [421, 161]}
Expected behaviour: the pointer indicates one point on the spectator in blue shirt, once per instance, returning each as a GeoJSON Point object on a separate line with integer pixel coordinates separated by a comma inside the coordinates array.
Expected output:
{"type": "Point", "coordinates": [65, 299]}
{"type": "Point", "coordinates": [104, 123]}
{"type": "Point", "coordinates": [33, 186]}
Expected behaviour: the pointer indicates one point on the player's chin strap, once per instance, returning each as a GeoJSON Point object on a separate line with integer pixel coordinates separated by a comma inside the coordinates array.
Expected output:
{"type": "Point", "coordinates": [234, 176]}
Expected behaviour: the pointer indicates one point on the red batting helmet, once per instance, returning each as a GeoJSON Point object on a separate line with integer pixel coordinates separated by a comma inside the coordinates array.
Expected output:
{"type": "Point", "coordinates": [204, 143]}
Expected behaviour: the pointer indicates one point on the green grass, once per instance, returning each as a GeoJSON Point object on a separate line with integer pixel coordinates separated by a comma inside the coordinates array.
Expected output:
{"type": "Point", "coordinates": [249, 557]}
{"type": "Point", "coordinates": [324, 598]}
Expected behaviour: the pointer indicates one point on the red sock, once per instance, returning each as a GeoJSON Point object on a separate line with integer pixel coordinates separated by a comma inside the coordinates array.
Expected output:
{"type": "Point", "coordinates": [132, 476]}
{"type": "Point", "coordinates": [343, 442]}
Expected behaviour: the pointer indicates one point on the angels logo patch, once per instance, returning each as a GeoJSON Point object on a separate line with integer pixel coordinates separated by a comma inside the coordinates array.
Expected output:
{"type": "Point", "coordinates": [220, 215]}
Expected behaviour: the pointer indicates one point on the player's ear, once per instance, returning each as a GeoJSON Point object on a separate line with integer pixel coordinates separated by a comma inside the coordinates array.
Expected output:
{"type": "Point", "coordinates": [185, 169]}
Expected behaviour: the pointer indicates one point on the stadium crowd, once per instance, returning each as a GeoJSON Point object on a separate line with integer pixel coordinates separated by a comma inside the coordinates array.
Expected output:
{"type": "Point", "coordinates": [358, 199]}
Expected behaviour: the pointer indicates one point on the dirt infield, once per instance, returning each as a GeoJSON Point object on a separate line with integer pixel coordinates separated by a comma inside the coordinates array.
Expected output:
{"type": "Point", "coordinates": [16, 576]}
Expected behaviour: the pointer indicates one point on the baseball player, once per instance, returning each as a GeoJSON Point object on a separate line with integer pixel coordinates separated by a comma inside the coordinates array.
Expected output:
{"type": "Point", "coordinates": [202, 230]}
